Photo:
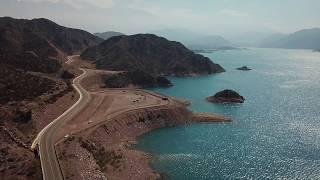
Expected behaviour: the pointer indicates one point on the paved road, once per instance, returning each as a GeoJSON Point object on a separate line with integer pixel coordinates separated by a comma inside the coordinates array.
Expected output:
{"type": "Point", "coordinates": [45, 139]}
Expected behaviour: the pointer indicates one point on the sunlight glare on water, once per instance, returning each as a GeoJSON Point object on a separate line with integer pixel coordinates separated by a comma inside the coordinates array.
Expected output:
{"type": "Point", "coordinates": [275, 134]}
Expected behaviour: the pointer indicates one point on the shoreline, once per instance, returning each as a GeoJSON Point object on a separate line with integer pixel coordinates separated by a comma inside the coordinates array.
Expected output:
{"type": "Point", "coordinates": [98, 143]}
{"type": "Point", "coordinates": [108, 150]}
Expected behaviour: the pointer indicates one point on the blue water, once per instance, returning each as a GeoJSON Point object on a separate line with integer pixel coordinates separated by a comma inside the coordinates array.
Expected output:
{"type": "Point", "coordinates": [275, 134]}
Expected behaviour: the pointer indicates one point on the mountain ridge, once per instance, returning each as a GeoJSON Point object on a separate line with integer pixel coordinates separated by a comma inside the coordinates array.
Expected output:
{"type": "Point", "coordinates": [194, 40]}
{"type": "Point", "coordinates": [149, 53]}
{"type": "Point", "coordinates": [40, 44]}
{"type": "Point", "coordinates": [302, 39]}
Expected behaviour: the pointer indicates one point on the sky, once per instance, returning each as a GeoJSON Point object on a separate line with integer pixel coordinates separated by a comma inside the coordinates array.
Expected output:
{"type": "Point", "coordinates": [223, 17]}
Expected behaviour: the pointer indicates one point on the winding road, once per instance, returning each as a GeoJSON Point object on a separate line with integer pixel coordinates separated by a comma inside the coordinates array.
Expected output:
{"type": "Point", "coordinates": [47, 137]}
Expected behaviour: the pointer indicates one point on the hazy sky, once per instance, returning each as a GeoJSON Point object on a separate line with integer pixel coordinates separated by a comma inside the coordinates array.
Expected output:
{"type": "Point", "coordinates": [207, 16]}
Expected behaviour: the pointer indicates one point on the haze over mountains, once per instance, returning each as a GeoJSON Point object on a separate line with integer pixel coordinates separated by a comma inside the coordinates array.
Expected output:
{"type": "Point", "coordinates": [194, 40]}
{"type": "Point", "coordinates": [108, 34]}
{"type": "Point", "coordinates": [303, 39]}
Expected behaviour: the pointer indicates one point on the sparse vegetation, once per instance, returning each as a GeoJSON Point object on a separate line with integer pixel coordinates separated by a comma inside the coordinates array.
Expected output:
{"type": "Point", "coordinates": [136, 78]}
{"type": "Point", "coordinates": [102, 156]}
{"type": "Point", "coordinates": [22, 115]}
{"type": "Point", "coordinates": [17, 85]}
{"type": "Point", "coordinates": [151, 54]}
{"type": "Point", "coordinates": [66, 75]}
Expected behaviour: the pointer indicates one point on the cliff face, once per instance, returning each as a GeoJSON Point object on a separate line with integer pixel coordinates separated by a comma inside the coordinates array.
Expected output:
{"type": "Point", "coordinates": [16, 85]}
{"type": "Point", "coordinates": [151, 54]}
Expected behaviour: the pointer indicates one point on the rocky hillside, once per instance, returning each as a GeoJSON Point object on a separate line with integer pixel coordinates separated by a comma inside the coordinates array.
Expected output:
{"type": "Point", "coordinates": [151, 54]}
{"type": "Point", "coordinates": [32, 76]}
{"type": "Point", "coordinates": [40, 44]}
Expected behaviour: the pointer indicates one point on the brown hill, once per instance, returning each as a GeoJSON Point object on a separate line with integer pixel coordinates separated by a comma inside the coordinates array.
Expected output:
{"type": "Point", "coordinates": [36, 45]}
{"type": "Point", "coordinates": [39, 44]}
{"type": "Point", "coordinates": [151, 54]}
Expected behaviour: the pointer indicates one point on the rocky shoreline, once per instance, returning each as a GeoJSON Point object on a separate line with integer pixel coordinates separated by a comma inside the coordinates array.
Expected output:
{"type": "Point", "coordinates": [106, 151]}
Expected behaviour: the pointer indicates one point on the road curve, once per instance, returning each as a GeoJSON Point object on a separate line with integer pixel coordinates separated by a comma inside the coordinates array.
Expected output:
{"type": "Point", "coordinates": [45, 139]}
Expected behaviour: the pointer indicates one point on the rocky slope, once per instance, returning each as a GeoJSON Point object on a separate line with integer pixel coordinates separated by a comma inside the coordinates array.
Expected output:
{"type": "Point", "coordinates": [151, 54]}
{"type": "Point", "coordinates": [16, 85]}
{"type": "Point", "coordinates": [194, 40]}
{"type": "Point", "coordinates": [32, 77]}
{"type": "Point", "coordinates": [244, 68]}
{"type": "Point", "coordinates": [23, 96]}
{"type": "Point", "coordinates": [40, 44]}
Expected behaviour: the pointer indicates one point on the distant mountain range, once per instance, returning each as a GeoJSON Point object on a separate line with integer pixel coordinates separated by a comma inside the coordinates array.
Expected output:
{"type": "Point", "coordinates": [249, 39]}
{"type": "Point", "coordinates": [194, 40]}
{"type": "Point", "coordinates": [108, 34]}
{"type": "Point", "coordinates": [304, 39]}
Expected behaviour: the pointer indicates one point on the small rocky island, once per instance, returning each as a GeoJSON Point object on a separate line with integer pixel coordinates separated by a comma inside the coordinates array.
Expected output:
{"type": "Point", "coordinates": [226, 96]}
{"type": "Point", "coordinates": [244, 68]}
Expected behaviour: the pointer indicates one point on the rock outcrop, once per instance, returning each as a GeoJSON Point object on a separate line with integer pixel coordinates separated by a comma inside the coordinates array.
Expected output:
{"type": "Point", "coordinates": [244, 68]}
{"type": "Point", "coordinates": [303, 39]}
{"type": "Point", "coordinates": [226, 96]}
{"type": "Point", "coordinates": [151, 54]}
